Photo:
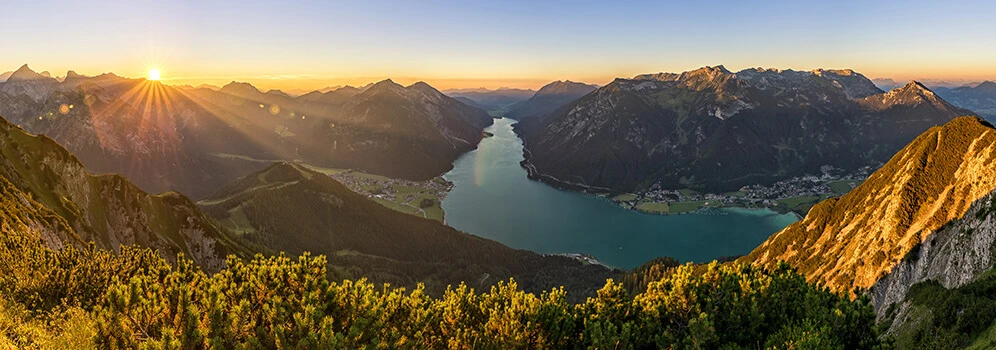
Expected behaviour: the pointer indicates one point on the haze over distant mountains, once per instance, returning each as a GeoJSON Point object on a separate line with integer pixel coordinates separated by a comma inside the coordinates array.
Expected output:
{"type": "Point", "coordinates": [496, 102]}
{"type": "Point", "coordinates": [714, 130]}
{"type": "Point", "coordinates": [980, 98]}
{"type": "Point", "coordinates": [549, 98]}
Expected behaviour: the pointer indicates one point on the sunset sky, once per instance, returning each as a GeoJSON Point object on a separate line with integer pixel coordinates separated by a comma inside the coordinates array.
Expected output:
{"type": "Point", "coordinates": [450, 44]}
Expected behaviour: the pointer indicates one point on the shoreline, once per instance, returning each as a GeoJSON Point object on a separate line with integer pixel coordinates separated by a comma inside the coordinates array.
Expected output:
{"type": "Point", "coordinates": [554, 182]}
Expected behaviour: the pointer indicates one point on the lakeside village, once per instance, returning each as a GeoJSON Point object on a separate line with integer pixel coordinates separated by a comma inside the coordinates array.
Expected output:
{"type": "Point", "coordinates": [796, 195]}
{"type": "Point", "coordinates": [422, 198]}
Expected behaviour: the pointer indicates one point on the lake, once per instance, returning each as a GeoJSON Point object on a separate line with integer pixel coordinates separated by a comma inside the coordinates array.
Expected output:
{"type": "Point", "coordinates": [493, 198]}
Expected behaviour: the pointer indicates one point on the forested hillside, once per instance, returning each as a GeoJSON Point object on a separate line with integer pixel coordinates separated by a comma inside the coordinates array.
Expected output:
{"type": "Point", "coordinates": [290, 208]}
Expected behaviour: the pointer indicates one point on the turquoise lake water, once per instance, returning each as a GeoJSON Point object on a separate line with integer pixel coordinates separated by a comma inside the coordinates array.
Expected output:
{"type": "Point", "coordinates": [493, 198]}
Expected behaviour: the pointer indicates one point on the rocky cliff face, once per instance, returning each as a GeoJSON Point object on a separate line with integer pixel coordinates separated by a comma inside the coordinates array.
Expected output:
{"type": "Point", "coordinates": [714, 130]}
{"type": "Point", "coordinates": [855, 240]}
{"type": "Point", "coordinates": [954, 255]}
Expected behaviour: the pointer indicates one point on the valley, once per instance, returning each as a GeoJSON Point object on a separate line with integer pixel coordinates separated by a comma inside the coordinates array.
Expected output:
{"type": "Point", "coordinates": [391, 174]}
{"type": "Point", "coordinates": [493, 197]}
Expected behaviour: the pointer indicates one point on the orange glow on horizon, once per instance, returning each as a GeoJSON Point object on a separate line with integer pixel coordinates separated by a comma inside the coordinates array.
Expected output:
{"type": "Point", "coordinates": [506, 77]}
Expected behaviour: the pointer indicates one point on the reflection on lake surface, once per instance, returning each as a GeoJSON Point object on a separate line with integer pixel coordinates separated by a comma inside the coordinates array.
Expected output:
{"type": "Point", "coordinates": [493, 198]}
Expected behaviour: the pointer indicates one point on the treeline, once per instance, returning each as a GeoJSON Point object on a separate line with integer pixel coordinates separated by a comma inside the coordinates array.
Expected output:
{"type": "Point", "coordinates": [84, 298]}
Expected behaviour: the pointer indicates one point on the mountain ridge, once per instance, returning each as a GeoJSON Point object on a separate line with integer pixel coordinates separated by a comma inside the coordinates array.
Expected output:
{"type": "Point", "coordinates": [715, 131]}
{"type": "Point", "coordinates": [549, 98]}
{"type": "Point", "coordinates": [289, 207]}
{"type": "Point", "coordinates": [106, 209]}
{"type": "Point", "coordinates": [195, 139]}
{"type": "Point", "coordinates": [932, 181]}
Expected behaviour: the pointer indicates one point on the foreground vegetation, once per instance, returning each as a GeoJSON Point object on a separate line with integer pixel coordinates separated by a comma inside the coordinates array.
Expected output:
{"type": "Point", "coordinates": [83, 298]}
{"type": "Point", "coordinates": [961, 317]}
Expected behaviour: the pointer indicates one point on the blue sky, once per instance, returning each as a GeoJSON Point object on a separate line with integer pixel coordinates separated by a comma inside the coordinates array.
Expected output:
{"type": "Point", "coordinates": [494, 43]}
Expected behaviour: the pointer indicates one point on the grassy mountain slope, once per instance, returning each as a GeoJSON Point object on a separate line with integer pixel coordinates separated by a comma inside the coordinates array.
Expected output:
{"type": "Point", "coordinates": [290, 208]}
{"type": "Point", "coordinates": [104, 209]}
{"type": "Point", "coordinates": [854, 240]}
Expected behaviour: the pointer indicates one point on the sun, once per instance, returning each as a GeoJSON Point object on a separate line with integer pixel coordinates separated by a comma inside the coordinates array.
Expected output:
{"type": "Point", "coordinates": [153, 74]}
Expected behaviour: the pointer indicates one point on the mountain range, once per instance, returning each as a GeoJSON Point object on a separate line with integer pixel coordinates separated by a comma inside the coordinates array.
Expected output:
{"type": "Point", "coordinates": [496, 102]}
{"type": "Point", "coordinates": [980, 98]}
{"type": "Point", "coordinates": [715, 131]}
{"type": "Point", "coordinates": [195, 140]}
{"type": "Point", "coordinates": [917, 238]}
{"type": "Point", "coordinates": [548, 98]}
{"type": "Point", "coordinates": [48, 193]}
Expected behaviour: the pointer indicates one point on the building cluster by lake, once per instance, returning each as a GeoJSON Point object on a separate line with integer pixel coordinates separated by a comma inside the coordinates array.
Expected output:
{"type": "Point", "coordinates": [396, 190]}
{"type": "Point", "coordinates": [808, 188]}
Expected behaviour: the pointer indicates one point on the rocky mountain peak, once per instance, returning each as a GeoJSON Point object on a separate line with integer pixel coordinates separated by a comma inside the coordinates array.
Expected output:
{"type": "Point", "coordinates": [854, 84]}
{"type": "Point", "coordinates": [279, 93]}
{"type": "Point", "coordinates": [987, 86]}
{"type": "Point", "coordinates": [311, 96]}
{"type": "Point", "coordinates": [841, 72]}
{"type": "Point", "coordinates": [711, 72]}
{"type": "Point", "coordinates": [239, 89]}
{"type": "Point", "coordinates": [707, 72]}
{"type": "Point", "coordinates": [914, 90]}
{"type": "Point", "coordinates": [384, 86]}
{"type": "Point", "coordinates": [565, 86]}
{"type": "Point", "coordinates": [24, 74]}
{"type": "Point", "coordinates": [912, 94]}
{"type": "Point", "coordinates": [916, 86]}
{"type": "Point", "coordinates": [426, 90]}
{"type": "Point", "coordinates": [423, 87]}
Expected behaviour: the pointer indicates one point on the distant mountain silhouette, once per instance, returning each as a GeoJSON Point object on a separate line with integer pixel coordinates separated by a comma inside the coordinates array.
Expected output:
{"type": "Point", "coordinates": [549, 98]}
